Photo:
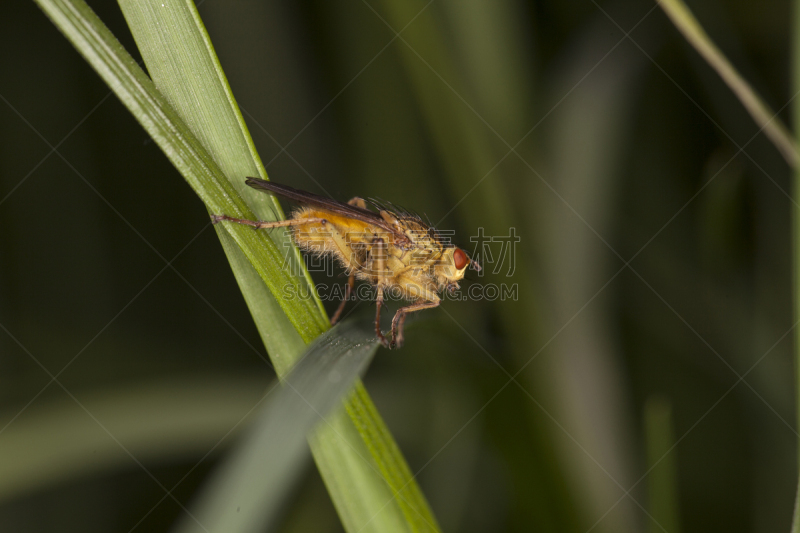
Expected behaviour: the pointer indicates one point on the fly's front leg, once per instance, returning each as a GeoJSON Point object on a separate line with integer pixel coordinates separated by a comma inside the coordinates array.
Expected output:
{"type": "Point", "coordinates": [348, 289]}
{"type": "Point", "coordinates": [399, 319]}
{"type": "Point", "coordinates": [377, 267]}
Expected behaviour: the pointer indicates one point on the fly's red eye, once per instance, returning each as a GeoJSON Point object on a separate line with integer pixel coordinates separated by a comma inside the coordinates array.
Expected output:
{"type": "Point", "coordinates": [460, 258]}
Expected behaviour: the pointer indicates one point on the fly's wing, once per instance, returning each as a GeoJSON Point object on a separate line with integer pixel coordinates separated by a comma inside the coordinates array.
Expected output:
{"type": "Point", "coordinates": [322, 202]}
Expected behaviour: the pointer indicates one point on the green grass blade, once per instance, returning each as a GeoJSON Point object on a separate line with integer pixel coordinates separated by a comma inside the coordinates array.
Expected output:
{"type": "Point", "coordinates": [173, 42]}
{"type": "Point", "coordinates": [366, 475]}
{"type": "Point", "coordinates": [246, 493]}
{"type": "Point", "coordinates": [764, 117]}
{"type": "Point", "coordinates": [185, 151]}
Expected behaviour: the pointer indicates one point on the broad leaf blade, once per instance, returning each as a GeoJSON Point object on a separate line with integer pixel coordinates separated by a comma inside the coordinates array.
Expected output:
{"type": "Point", "coordinates": [245, 494]}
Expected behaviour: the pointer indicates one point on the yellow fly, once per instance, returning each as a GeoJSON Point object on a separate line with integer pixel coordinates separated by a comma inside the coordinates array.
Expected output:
{"type": "Point", "coordinates": [395, 252]}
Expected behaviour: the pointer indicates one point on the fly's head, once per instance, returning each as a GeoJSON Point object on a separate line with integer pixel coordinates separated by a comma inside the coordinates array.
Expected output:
{"type": "Point", "coordinates": [452, 266]}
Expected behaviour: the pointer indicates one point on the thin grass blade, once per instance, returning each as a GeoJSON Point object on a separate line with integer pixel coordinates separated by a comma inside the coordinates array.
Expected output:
{"type": "Point", "coordinates": [764, 117]}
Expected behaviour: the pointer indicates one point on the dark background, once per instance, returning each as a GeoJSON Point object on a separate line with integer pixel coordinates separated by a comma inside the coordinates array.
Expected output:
{"type": "Point", "coordinates": [652, 271]}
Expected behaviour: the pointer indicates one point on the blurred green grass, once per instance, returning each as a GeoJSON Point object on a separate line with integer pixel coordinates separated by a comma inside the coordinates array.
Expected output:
{"type": "Point", "coordinates": [618, 150]}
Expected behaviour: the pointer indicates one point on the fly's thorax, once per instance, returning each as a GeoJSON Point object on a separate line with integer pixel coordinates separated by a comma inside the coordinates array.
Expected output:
{"type": "Point", "coordinates": [415, 289]}
{"type": "Point", "coordinates": [419, 233]}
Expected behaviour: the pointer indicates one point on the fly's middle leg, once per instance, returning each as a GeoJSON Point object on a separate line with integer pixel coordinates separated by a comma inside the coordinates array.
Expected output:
{"type": "Point", "coordinates": [378, 333]}
{"type": "Point", "coordinates": [377, 267]}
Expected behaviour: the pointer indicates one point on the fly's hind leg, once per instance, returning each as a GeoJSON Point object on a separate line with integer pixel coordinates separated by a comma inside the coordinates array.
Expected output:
{"type": "Point", "coordinates": [267, 225]}
{"type": "Point", "coordinates": [347, 291]}
{"type": "Point", "coordinates": [400, 318]}
{"type": "Point", "coordinates": [350, 259]}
